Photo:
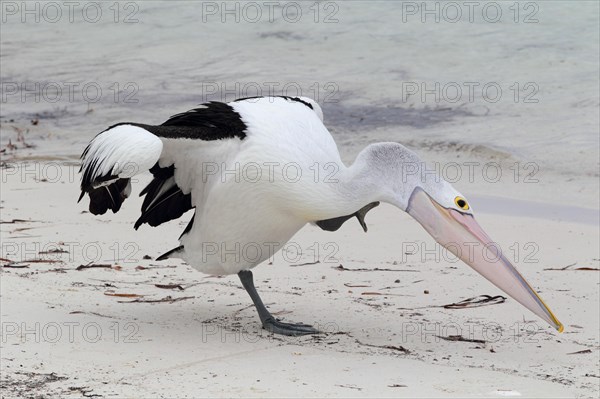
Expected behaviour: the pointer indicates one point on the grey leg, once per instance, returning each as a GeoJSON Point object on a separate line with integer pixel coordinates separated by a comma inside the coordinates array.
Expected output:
{"type": "Point", "coordinates": [269, 322]}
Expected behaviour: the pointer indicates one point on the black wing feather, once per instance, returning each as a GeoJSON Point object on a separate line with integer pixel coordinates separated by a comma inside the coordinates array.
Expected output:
{"type": "Point", "coordinates": [159, 207]}
{"type": "Point", "coordinates": [335, 223]}
{"type": "Point", "coordinates": [210, 121]}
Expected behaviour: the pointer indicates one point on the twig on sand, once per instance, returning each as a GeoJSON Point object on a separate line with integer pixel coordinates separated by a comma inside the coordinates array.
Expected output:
{"type": "Point", "coordinates": [43, 261]}
{"type": "Point", "coordinates": [167, 299]}
{"type": "Point", "coordinates": [571, 265]}
{"type": "Point", "coordinates": [580, 352]}
{"type": "Point", "coordinates": [306, 264]}
{"type": "Point", "coordinates": [345, 269]}
{"type": "Point", "coordinates": [392, 347]}
{"type": "Point", "coordinates": [92, 313]}
{"type": "Point", "coordinates": [460, 338]}
{"type": "Point", "coordinates": [562, 268]}
{"type": "Point", "coordinates": [349, 387]}
{"type": "Point", "coordinates": [15, 221]}
{"type": "Point", "coordinates": [169, 286]}
{"type": "Point", "coordinates": [120, 295]}
{"type": "Point", "coordinates": [151, 266]}
{"type": "Point", "coordinates": [475, 302]}
{"type": "Point", "coordinates": [478, 301]}
{"type": "Point", "coordinates": [179, 286]}
{"type": "Point", "coordinates": [12, 263]}
{"type": "Point", "coordinates": [92, 266]}
{"type": "Point", "coordinates": [16, 266]}
{"type": "Point", "coordinates": [120, 282]}
{"type": "Point", "coordinates": [54, 251]}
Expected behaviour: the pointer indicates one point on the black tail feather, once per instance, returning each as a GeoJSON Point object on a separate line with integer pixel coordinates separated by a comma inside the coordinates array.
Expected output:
{"type": "Point", "coordinates": [163, 200]}
{"type": "Point", "coordinates": [108, 197]}
{"type": "Point", "coordinates": [166, 254]}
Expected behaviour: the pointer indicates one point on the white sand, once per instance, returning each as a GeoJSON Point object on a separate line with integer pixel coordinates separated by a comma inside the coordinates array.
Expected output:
{"type": "Point", "coordinates": [211, 344]}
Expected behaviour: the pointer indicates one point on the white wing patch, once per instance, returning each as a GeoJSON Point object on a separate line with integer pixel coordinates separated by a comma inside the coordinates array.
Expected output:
{"type": "Point", "coordinates": [122, 151]}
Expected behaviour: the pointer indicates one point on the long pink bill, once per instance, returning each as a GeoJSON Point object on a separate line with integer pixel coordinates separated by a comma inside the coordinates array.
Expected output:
{"type": "Point", "coordinates": [462, 235]}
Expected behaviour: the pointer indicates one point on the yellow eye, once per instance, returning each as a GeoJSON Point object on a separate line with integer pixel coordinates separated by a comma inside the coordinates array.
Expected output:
{"type": "Point", "coordinates": [461, 203]}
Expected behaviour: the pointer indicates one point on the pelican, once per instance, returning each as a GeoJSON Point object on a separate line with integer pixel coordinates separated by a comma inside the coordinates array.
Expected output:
{"type": "Point", "coordinates": [256, 170]}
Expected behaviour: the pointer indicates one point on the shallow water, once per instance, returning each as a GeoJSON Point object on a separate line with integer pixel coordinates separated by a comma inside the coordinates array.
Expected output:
{"type": "Point", "coordinates": [523, 83]}
{"type": "Point", "coordinates": [513, 207]}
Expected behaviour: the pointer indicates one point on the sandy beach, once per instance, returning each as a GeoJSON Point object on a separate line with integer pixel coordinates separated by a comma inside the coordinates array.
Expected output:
{"type": "Point", "coordinates": [69, 330]}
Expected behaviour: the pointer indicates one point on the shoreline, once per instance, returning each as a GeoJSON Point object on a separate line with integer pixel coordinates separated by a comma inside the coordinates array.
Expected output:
{"type": "Point", "coordinates": [537, 210]}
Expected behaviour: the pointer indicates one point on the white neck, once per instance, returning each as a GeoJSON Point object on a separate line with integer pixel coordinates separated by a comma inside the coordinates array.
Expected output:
{"type": "Point", "coordinates": [374, 176]}
{"type": "Point", "coordinates": [381, 172]}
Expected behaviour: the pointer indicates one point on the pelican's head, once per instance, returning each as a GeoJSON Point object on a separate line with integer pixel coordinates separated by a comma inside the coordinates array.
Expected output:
{"type": "Point", "coordinates": [447, 216]}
